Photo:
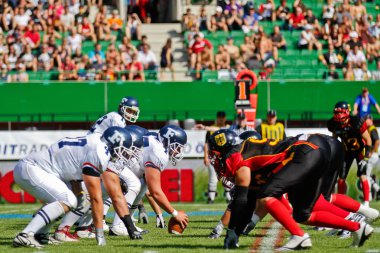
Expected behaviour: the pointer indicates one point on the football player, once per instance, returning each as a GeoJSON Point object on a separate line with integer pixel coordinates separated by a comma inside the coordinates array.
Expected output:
{"type": "Point", "coordinates": [46, 174]}
{"type": "Point", "coordinates": [357, 143]}
{"type": "Point", "coordinates": [374, 159]}
{"type": "Point", "coordinates": [156, 154]}
{"type": "Point", "coordinates": [265, 170]}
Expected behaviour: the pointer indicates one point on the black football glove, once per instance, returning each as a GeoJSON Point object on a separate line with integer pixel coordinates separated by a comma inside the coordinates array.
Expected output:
{"type": "Point", "coordinates": [232, 240]}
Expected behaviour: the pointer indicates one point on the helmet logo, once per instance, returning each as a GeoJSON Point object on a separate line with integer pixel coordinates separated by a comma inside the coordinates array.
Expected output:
{"type": "Point", "coordinates": [117, 137]}
{"type": "Point", "coordinates": [169, 133]}
{"type": "Point", "coordinates": [220, 139]}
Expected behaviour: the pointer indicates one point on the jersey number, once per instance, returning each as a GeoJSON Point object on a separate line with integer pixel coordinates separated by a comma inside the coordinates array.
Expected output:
{"type": "Point", "coordinates": [74, 142]}
{"type": "Point", "coordinates": [98, 122]}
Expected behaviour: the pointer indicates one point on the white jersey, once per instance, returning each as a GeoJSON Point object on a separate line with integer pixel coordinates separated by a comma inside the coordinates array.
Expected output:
{"type": "Point", "coordinates": [109, 120]}
{"type": "Point", "coordinates": [67, 157]}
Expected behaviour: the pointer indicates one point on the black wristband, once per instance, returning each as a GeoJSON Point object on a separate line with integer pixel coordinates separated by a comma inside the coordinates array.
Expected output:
{"type": "Point", "coordinates": [127, 220]}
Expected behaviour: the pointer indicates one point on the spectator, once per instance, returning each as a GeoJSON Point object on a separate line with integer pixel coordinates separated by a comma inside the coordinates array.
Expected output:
{"type": "Point", "coordinates": [51, 34]}
{"type": "Point", "coordinates": [308, 40]}
{"type": "Point", "coordinates": [358, 10]}
{"type": "Point", "coordinates": [331, 74]}
{"type": "Point", "coordinates": [363, 102]}
{"type": "Point", "coordinates": [21, 75]}
{"type": "Point", "coordinates": [332, 58]}
{"type": "Point", "coordinates": [67, 20]}
{"type": "Point", "coordinates": [376, 73]}
{"type": "Point", "coordinates": [267, 11]}
{"type": "Point", "coordinates": [109, 72]}
{"type": "Point", "coordinates": [101, 25]}
{"type": "Point", "coordinates": [297, 19]}
{"type": "Point", "coordinates": [218, 21]}
{"type": "Point", "coordinates": [32, 37]}
{"type": "Point", "coordinates": [68, 70]}
{"type": "Point", "coordinates": [356, 58]}
{"type": "Point", "coordinates": [115, 22]}
{"type": "Point", "coordinates": [133, 29]}
{"type": "Point", "coordinates": [197, 48]}
{"type": "Point", "coordinates": [81, 67]}
{"type": "Point", "coordinates": [271, 129]}
{"type": "Point", "coordinates": [86, 29]}
{"type": "Point", "coordinates": [206, 61]}
{"type": "Point", "coordinates": [203, 24]}
{"type": "Point", "coordinates": [5, 77]}
{"type": "Point", "coordinates": [232, 49]}
{"type": "Point", "coordinates": [7, 16]}
{"type": "Point", "coordinates": [336, 38]}
{"type": "Point", "coordinates": [56, 58]}
{"type": "Point", "coordinates": [278, 40]}
{"type": "Point", "coordinates": [44, 61]}
{"type": "Point", "coordinates": [222, 58]}
{"type": "Point", "coordinates": [311, 19]}
{"type": "Point", "coordinates": [77, 57]}
{"type": "Point", "coordinates": [251, 21]}
{"type": "Point", "coordinates": [234, 20]}
{"type": "Point", "coordinates": [266, 49]}
{"type": "Point", "coordinates": [135, 69]}
{"type": "Point", "coordinates": [111, 53]}
{"type": "Point", "coordinates": [74, 40]}
{"type": "Point", "coordinates": [81, 15]}
{"type": "Point", "coordinates": [167, 58]}
{"type": "Point", "coordinates": [247, 49]}
{"type": "Point", "coordinates": [21, 18]}
{"type": "Point", "coordinates": [240, 125]}
{"type": "Point", "coordinates": [74, 7]}
{"type": "Point", "coordinates": [328, 10]}
{"type": "Point", "coordinates": [147, 58]}
{"type": "Point", "coordinates": [143, 41]}
{"type": "Point", "coordinates": [97, 52]}
{"type": "Point", "coordinates": [11, 58]}
{"type": "Point", "coordinates": [188, 20]}
{"type": "Point", "coordinates": [38, 19]}
{"type": "Point", "coordinates": [233, 5]}
{"type": "Point", "coordinates": [29, 60]}
{"type": "Point", "coordinates": [282, 11]}
{"type": "Point", "coordinates": [352, 42]}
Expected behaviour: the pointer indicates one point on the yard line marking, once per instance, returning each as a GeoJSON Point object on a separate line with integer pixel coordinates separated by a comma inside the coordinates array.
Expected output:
{"type": "Point", "coordinates": [270, 238]}
{"type": "Point", "coordinates": [260, 236]}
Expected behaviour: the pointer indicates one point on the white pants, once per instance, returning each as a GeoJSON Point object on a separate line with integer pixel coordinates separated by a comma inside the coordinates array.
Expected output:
{"type": "Point", "coordinates": [43, 185]}
{"type": "Point", "coordinates": [373, 160]}
{"type": "Point", "coordinates": [212, 179]}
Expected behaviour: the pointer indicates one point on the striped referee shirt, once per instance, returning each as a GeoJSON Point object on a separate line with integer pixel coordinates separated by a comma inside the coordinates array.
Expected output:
{"type": "Point", "coordinates": [238, 129]}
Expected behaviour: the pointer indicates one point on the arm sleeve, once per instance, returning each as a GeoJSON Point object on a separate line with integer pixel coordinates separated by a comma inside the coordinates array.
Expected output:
{"type": "Point", "coordinates": [372, 100]}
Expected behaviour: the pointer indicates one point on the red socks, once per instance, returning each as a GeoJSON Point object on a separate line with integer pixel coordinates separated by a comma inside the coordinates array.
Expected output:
{"type": "Point", "coordinates": [345, 202]}
{"type": "Point", "coordinates": [342, 187]}
{"type": "Point", "coordinates": [281, 214]}
{"type": "Point", "coordinates": [326, 219]}
{"type": "Point", "coordinates": [286, 203]}
{"type": "Point", "coordinates": [323, 205]}
{"type": "Point", "coordinates": [365, 188]}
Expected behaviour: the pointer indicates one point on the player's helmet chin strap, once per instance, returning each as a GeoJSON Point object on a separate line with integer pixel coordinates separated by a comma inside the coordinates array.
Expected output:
{"type": "Point", "coordinates": [131, 117]}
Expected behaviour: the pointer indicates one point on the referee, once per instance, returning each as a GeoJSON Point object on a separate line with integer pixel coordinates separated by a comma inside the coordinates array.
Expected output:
{"type": "Point", "coordinates": [271, 129]}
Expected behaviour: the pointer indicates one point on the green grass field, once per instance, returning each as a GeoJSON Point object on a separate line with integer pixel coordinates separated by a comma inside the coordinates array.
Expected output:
{"type": "Point", "coordinates": [193, 240]}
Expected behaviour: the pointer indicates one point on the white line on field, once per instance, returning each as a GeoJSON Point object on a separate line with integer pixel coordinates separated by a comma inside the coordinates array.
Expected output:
{"type": "Point", "coordinates": [18, 210]}
{"type": "Point", "coordinates": [269, 241]}
{"type": "Point", "coordinates": [377, 230]}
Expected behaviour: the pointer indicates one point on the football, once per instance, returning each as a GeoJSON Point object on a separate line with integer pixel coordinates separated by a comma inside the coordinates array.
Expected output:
{"type": "Point", "coordinates": [174, 227]}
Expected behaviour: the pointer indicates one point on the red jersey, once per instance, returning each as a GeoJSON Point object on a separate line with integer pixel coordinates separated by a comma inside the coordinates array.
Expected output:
{"type": "Point", "coordinates": [198, 47]}
{"type": "Point", "coordinates": [296, 19]}
{"type": "Point", "coordinates": [264, 157]}
{"type": "Point", "coordinates": [33, 36]}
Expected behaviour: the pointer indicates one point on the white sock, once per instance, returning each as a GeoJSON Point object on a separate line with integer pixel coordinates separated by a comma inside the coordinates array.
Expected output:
{"type": "Point", "coordinates": [255, 218]}
{"type": "Point", "coordinates": [211, 195]}
{"type": "Point", "coordinates": [73, 216]}
{"type": "Point", "coordinates": [368, 212]}
{"type": "Point", "coordinates": [106, 206]}
{"type": "Point", "coordinates": [45, 216]}
{"type": "Point", "coordinates": [366, 203]}
{"type": "Point", "coordinates": [116, 220]}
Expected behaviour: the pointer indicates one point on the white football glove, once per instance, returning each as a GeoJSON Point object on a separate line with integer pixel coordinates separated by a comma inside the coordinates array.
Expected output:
{"type": "Point", "coordinates": [160, 222]}
{"type": "Point", "coordinates": [100, 238]}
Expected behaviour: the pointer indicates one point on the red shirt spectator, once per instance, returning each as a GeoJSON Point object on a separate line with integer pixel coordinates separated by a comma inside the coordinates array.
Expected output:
{"type": "Point", "coordinates": [33, 37]}
{"type": "Point", "coordinates": [136, 69]}
{"type": "Point", "coordinates": [200, 44]}
{"type": "Point", "coordinates": [68, 65]}
{"type": "Point", "coordinates": [297, 18]}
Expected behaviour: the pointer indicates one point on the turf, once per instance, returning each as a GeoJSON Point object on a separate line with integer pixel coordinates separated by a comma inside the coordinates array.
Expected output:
{"type": "Point", "coordinates": [202, 218]}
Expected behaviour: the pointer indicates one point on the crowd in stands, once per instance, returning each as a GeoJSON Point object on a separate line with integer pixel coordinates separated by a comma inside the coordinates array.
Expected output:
{"type": "Point", "coordinates": [343, 35]}
{"type": "Point", "coordinates": [78, 40]}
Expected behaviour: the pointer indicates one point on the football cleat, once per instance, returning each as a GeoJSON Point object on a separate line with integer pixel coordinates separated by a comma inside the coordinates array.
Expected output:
{"type": "Point", "coordinates": [297, 243]}
{"type": "Point", "coordinates": [344, 234]}
{"type": "Point", "coordinates": [84, 232]}
{"type": "Point", "coordinates": [46, 239]}
{"type": "Point", "coordinates": [118, 230]}
{"type": "Point", "coordinates": [63, 235]}
{"type": "Point", "coordinates": [106, 228]}
{"type": "Point", "coordinates": [26, 240]}
{"type": "Point", "coordinates": [362, 234]}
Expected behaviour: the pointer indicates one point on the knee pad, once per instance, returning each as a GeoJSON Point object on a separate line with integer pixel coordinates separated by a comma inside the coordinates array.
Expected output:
{"type": "Point", "coordinates": [70, 200]}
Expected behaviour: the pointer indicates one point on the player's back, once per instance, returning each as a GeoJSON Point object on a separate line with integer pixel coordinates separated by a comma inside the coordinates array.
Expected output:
{"type": "Point", "coordinates": [154, 154]}
{"type": "Point", "coordinates": [66, 157]}
{"type": "Point", "coordinates": [109, 120]}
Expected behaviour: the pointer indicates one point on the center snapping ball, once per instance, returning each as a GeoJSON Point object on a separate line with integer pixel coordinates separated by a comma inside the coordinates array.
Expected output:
{"type": "Point", "coordinates": [174, 227]}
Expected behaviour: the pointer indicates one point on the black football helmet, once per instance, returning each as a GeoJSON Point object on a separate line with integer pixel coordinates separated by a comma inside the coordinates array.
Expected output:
{"type": "Point", "coordinates": [342, 112]}
{"type": "Point", "coordinates": [250, 134]}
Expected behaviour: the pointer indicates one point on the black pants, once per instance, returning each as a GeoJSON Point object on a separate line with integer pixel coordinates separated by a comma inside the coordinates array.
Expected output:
{"type": "Point", "coordinates": [301, 178]}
